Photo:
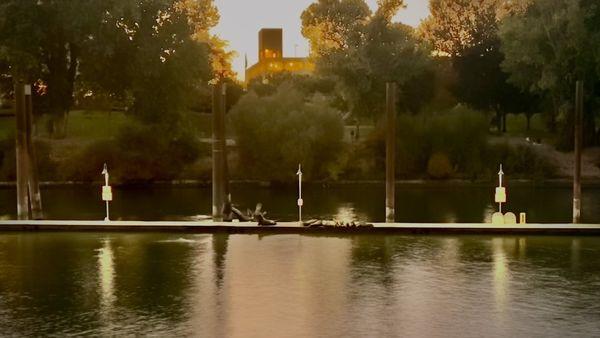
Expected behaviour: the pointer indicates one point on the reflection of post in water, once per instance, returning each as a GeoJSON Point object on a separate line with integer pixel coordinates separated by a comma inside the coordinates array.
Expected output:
{"type": "Point", "coordinates": [373, 251]}
{"type": "Point", "coordinates": [575, 254]}
{"type": "Point", "coordinates": [219, 244]}
{"type": "Point", "coordinates": [521, 247]}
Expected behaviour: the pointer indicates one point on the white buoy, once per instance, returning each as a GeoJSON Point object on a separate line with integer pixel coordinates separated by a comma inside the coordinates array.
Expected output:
{"type": "Point", "coordinates": [500, 191]}
{"type": "Point", "coordinates": [106, 192]}
{"type": "Point", "coordinates": [300, 201]}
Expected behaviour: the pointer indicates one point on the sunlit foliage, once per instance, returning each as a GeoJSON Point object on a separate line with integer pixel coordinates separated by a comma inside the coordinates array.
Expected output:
{"type": "Point", "coordinates": [362, 50]}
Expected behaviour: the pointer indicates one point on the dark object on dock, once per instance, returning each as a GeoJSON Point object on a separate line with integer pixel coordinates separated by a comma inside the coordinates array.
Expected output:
{"type": "Point", "coordinates": [259, 216]}
{"type": "Point", "coordinates": [230, 212]}
{"type": "Point", "coordinates": [316, 223]}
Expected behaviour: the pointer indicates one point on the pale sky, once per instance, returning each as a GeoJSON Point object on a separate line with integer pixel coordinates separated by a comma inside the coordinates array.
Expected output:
{"type": "Point", "coordinates": [242, 19]}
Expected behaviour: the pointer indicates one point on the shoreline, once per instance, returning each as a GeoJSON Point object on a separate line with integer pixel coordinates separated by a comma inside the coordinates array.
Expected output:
{"type": "Point", "coordinates": [425, 183]}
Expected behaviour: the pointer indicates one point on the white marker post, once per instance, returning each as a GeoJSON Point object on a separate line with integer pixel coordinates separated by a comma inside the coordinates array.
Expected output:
{"type": "Point", "coordinates": [300, 201]}
{"type": "Point", "coordinates": [500, 191]}
{"type": "Point", "coordinates": [106, 192]}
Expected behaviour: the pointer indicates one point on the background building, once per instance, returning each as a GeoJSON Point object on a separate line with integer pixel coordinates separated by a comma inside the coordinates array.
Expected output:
{"type": "Point", "coordinates": [270, 57]}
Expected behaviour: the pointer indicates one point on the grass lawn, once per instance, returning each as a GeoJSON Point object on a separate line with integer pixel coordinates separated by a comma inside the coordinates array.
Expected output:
{"type": "Point", "coordinates": [91, 125]}
{"type": "Point", "coordinates": [516, 125]}
{"type": "Point", "coordinates": [86, 127]}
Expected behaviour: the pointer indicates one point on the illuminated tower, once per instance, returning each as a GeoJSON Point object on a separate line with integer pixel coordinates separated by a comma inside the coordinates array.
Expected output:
{"type": "Point", "coordinates": [270, 43]}
{"type": "Point", "coordinates": [271, 60]}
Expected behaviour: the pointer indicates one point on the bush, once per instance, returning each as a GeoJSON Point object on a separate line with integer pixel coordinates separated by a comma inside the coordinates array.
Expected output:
{"type": "Point", "coordinates": [461, 134]}
{"type": "Point", "coordinates": [439, 166]}
{"type": "Point", "coordinates": [275, 133]}
{"type": "Point", "coordinates": [139, 154]}
{"type": "Point", "coordinates": [519, 161]}
{"type": "Point", "coordinates": [46, 166]}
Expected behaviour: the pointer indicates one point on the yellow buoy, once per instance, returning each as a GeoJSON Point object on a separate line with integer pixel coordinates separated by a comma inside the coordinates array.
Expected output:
{"type": "Point", "coordinates": [510, 218]}
{"type": "Point", "coordinates": [497, 218]}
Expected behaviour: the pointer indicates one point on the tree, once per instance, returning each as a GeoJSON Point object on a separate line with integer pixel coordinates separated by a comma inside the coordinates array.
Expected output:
{"type": "Point", "coordinates": [467, 32]}
{"type": "Point", "coordinates": [155, 58]}
{"type": "Point", "coordinates": [455, 26]}
{"type": "Point", "coordinates": [149, 54]}
{"type": "Point", "coordinates": [276, 132]}
{"type": "Point", "coordinates": [362, 51]}
{"type": "Point", "coordinates": [42, 42]}
{"type": "Point", "coordinates": [547, 50]}
{"type": "Point", "coordinates": [332, 25]}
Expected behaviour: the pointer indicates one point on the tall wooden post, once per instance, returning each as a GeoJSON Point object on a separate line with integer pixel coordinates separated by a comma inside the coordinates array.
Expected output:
{"type": "Point", "coordinates": [390, 158]}
{"type": "Point", "coordinates": [35, 197]}
{"type": "Point", "coordinates": [578, 121]}
{"type": "Point", "coordinates": [218, 141]}
{"type": "Point", "coordinates": [224, 141]}
{"type": "Point", "coordinates": [21, 152]}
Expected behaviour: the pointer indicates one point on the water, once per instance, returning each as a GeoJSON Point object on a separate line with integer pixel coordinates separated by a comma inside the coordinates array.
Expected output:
{"type": "Point", "coordinates": [57, 284]}
{"type": "Point", "coordinates": [443, 203]}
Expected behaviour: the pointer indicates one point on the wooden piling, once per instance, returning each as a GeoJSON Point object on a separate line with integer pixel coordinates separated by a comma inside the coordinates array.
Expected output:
{"type": "Point", "coordinates": [224, 141]}
{"type": "Point", "coordinates": [21, 152]}
{"type": "Point", "coordinates": [578, 122]}
{"type": "Point", "coordinates": [390, 172]}
{"type": "Point", "coordinates": [218, 142]}
{"type": "Point", "coordinates": [35, 197]}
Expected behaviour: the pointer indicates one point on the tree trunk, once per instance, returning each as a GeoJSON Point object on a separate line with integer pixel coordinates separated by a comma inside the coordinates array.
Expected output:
{"type": "Point", "coordinates": [498, 120]}
{"type": "Point", "coordinates": [554, 113]}
{"type": "Point", "coordinates": [62, 68]}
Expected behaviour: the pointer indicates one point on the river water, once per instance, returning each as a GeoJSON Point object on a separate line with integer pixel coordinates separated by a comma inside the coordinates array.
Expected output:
{"type": "Point", "coordinates": [125, 284]}
{"type": "Point", "coordinates": [59, 284]}
{"type": "Point", "coordinates": [442, 203]}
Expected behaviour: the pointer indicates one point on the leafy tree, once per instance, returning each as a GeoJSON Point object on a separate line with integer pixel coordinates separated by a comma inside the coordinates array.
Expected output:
{"type": "Point", "coordinates": [150, 55]}
{"type": "Point", "coordinates": [42, 42]}
{"type": "Point", "coordinates": [332, 25]}
{"type": "Point", "coordinates": [154, 58]}
{"type": "Point", "coordinates": [274, 133]}
{"type": "Point", "coordinates": [467, 32]}
{"type": "Point", "coordinates": [455, 26]}
{"type": "Point", "coordinates": [362, 51]}
{"type": "Point", "coordinates": [547, 50]}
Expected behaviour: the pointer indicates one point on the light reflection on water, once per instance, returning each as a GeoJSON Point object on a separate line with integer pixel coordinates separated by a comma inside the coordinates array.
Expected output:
{"type": "Point", "coordinates": [298, 286]}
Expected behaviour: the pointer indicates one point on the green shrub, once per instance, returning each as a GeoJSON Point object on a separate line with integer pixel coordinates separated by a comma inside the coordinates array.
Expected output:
{"type": "Point", "coordinates": [519, 161]}
{"type": "Point", "coordinates": [46, 166]}
{"type": "Point", "coordinates": [140, 153]}
{"type": "Point", "coordinates": [275, 133]}
{"type": "Point", "coordinates": [439, 166]}
{"type": "Point", "coordinates": [461, 134]}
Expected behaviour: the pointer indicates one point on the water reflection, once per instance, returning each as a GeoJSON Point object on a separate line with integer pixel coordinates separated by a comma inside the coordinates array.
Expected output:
{"type": "Point", "coordinates": [500, 271]}
{"type": "Point", "coordinates": [106, 274]}
{"type": "Point", "coordinates": [297, 286]}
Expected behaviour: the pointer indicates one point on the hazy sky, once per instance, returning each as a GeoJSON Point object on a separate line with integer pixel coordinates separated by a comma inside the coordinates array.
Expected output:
{"type": "Point", "coordinates": [242, 19]}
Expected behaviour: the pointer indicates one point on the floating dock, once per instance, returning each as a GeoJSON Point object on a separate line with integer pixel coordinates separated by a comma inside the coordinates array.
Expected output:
{"type": "Point", "coordinates": [297, 228]}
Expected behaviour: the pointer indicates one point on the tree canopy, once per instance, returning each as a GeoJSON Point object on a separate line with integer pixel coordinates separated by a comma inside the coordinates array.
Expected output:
{"type": "Point", "coordinates": [467, 32]}
{"type": "Point", "coordinates": [363, 50]}
{"type": "Point", "coordinates": [548, 48]}
{"type": "Point", "coordinates": [150, 55]}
